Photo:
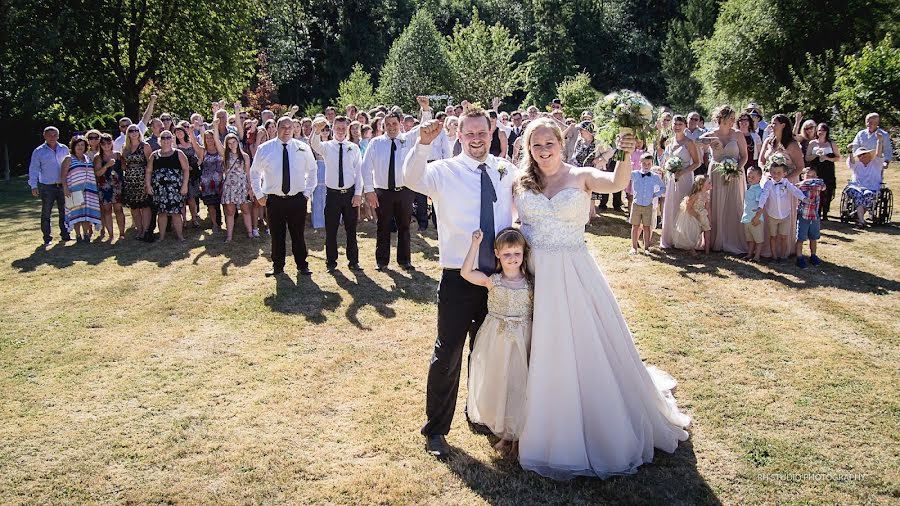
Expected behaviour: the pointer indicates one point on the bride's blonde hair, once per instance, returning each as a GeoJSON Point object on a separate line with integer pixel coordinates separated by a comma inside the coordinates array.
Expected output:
{"type": "Point", "coordinates": [532, 179]}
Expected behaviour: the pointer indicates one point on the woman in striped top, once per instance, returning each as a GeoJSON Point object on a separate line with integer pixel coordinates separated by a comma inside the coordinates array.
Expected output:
{"type": "Point", "coordinates": [80, 189]}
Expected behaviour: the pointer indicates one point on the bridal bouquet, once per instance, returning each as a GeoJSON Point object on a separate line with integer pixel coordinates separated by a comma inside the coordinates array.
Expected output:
{"type": "Point", "coordinates": [728, 168]}
{"type": "Point", "coordinates": [776, 158]}
{"type": "Point", "coordinates": [674, 165]}
{"type": "Point", "coordinates": [620, 113]}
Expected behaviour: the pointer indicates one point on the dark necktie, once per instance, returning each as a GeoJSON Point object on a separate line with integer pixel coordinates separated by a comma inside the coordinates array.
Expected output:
{"type": "Point", "coordinates": [341, 165]}
{"type": "Point", "coordinates": [285, 172]}
{"type": "Point", "coordinates": [392, 176]}
{"type": "Point", "coordinates": [487, 262]}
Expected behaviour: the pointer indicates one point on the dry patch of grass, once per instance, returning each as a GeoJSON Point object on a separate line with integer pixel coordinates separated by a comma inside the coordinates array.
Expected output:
{"type": "Point", "coordinates": [178, 373]}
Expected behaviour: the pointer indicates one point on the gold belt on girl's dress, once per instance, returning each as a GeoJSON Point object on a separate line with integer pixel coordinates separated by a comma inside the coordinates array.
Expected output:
{"type": "Point", "coordinates": [507, 320]}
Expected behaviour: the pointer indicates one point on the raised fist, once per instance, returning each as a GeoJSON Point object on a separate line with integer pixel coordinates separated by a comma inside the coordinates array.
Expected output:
{"type": "Point", "coordinates": [429, 131]}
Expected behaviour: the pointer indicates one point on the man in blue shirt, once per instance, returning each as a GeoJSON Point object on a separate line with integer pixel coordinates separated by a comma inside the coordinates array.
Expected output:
{"type": "Point", "coordinates": [44, 179]}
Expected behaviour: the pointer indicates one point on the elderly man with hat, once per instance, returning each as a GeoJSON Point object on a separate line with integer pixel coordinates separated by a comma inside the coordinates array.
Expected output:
{"type": "Point", "coordinates": [866, 166]}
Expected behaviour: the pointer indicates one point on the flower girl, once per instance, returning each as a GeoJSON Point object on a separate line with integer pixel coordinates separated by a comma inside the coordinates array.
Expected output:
{"type": "Point", "coordinates": [693, 222]}
{"type": "Point", "coordinates": [498, 365]}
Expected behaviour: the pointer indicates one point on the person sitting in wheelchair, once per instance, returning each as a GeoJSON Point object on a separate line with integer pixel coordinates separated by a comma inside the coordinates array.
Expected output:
{"type": "Point", "coordinates": [866, 167]}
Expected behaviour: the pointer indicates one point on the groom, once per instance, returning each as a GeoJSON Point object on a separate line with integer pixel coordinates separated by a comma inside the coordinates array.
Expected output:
{"type": "Point", "coordinates": [470, 191]}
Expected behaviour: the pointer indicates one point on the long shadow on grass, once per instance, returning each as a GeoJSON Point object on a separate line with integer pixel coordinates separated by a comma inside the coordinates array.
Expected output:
{"type": "Point", "coordinates": [125, 253]}
{"type": "Point", "coordinates": [829, 275]}
{"type": "Point", "coordinates": [670, 479]}
{"type": "Point", "coordinates": [302, 297]}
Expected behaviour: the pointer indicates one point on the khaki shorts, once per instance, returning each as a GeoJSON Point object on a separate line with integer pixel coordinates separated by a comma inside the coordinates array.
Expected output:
{"type": "Point", "coordinates": [754, 233]}
{"type": "Point", "coordinates": [642, 215]}
{"type": "Point", "coordinates": [779, 226]}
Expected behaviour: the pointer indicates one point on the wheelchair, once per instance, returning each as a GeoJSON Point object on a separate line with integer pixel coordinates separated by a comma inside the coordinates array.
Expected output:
{"type": "Point", "coordinates": [881, 211]}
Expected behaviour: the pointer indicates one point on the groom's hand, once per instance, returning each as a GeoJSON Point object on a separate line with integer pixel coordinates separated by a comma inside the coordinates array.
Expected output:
{"type": "Point", "coordinates": [429, 131]}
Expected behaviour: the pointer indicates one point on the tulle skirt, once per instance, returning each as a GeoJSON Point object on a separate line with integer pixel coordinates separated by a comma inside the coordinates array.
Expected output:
{"type": "Point", "coordinates": [592, 407]}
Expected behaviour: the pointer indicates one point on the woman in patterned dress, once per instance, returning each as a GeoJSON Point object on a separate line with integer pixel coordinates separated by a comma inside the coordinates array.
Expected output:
{"type": "Point", "coordinates": [211, 173]}
{"type": "Point", "coordinates": [188, 145]}
{"type": "Point", "coordinates": [77, 176]}
{"type": "Point", "coordinates": [136, 153]}
{"type": "Point", "coordinates": [108, 170]}
{"type": "Point", "coordinates": [166, 180]}
{"type": "Point", "coordinates": [236, 189]}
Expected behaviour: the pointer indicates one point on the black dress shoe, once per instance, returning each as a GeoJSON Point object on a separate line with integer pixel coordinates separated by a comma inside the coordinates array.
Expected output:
{"type": "Point", "coordinates": [381, 267]}
{"type": "Point", "coordinates": [408, 267]}
{"type": "Point", "coordinates": [273, 272]}
{"type": "Point", "coordinates": [330, 269]}
{"type": "Point", "coordinates": [305, 271]}
{"type": "Point", "coordinates": [437, 446]}
{"type": "Point", "coordinates": [355, 267]}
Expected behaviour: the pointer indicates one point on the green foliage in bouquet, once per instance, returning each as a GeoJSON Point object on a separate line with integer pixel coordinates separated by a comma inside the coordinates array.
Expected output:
{"type": "Point", "coordinates": [623, 112]}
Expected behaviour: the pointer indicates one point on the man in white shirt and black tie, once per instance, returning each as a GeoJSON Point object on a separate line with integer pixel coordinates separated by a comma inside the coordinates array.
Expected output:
{"type": "Point", "coordinates": [343, 188]}
{"type": "Point", "coordinates": [382, 173]}
{"type": "Point", "coordinates": [470, 191]}
{"type": "Point", "coordinates": [440, 150]}
{"type": "Point", "coordinates": [283, 176]}
{"type": "Point", "coordinates": [516, 131]}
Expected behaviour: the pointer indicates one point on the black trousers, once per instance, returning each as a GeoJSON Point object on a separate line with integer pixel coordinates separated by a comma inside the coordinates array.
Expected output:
{"type": "Point", "coordinates": [287, 214]}
{"type": "Point", "coordinates": [52, 194]}
{"type": "Point", "coordinates": [340, 205]}
{"type": "Point", "coordinates": [397, 205]}
{"type": "Point", "coordinates": [616, 198]}
{"type": "Point", "coordinates": [420, 210]}
{"type": "Point", "coordinates": [462, 308]}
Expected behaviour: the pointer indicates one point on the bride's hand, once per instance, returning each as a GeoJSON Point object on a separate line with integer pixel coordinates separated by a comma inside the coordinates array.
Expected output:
{"type": "Point", "coordinates": [625, 143]}
{"type": "Point", "coordinates": [477, 236]}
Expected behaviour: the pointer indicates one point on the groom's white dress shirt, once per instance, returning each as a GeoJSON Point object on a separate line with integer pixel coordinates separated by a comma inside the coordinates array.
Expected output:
{"type": "Point", "coordinates": [454, 186]}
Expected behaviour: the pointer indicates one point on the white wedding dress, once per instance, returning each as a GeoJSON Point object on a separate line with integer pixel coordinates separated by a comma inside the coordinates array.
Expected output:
{"type": "Point", "coordinates": [592, 407]}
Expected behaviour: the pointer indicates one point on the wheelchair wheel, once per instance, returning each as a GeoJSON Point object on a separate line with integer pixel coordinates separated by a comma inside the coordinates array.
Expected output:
{"type": "Point", "coordinates": [847, 210]}
{"type": "Point", "coordinates": [884, 207]}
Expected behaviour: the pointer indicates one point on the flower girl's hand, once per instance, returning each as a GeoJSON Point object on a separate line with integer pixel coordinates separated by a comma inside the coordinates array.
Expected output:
{"type": "Point", "coordinates": [477, 236]}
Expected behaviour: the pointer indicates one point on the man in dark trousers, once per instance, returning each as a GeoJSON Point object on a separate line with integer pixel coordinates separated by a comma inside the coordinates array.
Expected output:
{"type": "Point", "coordinates": [471, 191]}
{"type": "Point", "coordinates": [343, 188]}
{"type": "Point", "coordinates": [386, 191]}
{"type": "Point", "coordinates": [283, 176]}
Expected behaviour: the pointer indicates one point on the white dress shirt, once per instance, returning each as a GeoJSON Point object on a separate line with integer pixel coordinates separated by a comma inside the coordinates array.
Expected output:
{"type": "Point", "coordinates": [776, 198]}
{"type": "Point", "coordinates": [440, 146]}
{"type": "Point", "coordinates": [454, 186]}
{"type": "Point", "coordinates": [119, 143]}
{"type": "Point", "coordinates": [265, 173]}
{"type": "Point", "coordinates": [329, 151]}
{"type": "Point", "coordinates": [376, 162]}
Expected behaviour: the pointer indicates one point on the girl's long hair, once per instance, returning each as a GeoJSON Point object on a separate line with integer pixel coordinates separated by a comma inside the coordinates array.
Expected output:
{"type": "Point", "coordinates": [787, 133]}
{"type": "Point", "coordinates": [531, 178]}
{"type": "Point", "coordinates": [512, 237]}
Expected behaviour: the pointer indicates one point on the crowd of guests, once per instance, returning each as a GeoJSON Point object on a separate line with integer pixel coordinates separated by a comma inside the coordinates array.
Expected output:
{"type": "Point", "coordinates": [745, 186]}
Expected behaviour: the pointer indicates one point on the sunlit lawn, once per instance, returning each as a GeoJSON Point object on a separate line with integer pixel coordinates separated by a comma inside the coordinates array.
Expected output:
{"type": "Point", "coordinates": [178, 373]}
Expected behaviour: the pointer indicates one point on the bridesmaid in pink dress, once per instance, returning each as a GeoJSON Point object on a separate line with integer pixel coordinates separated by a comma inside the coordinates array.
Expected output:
{"type": "Point", "coordinates": [726, 203]}
{"type": "Point", "coordinates": [683, 147]}
{"type": "Point", "coordinates": [782, 142]}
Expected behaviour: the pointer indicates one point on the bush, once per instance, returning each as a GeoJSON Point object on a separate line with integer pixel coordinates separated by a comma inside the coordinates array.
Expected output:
{"type": "Point", "coordinates": [869, 81]}
{"type": "Point", "coordinates": [577, 94]}
{"type": "Point", "coordinates": [357, 90]}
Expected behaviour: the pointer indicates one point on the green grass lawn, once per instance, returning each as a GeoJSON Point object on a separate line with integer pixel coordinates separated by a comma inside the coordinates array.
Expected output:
{"type": "Point", "coordinates": [178, 373]}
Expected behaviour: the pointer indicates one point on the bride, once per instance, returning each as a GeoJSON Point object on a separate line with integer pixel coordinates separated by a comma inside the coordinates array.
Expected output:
{"type": "Point", "coordinates": [592, 408]}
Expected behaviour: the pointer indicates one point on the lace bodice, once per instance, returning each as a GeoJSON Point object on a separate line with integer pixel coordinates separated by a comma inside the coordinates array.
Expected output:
{"type": "Point", "coordinates": [507, 301]}
{"type": "Point", "coordinates": [554, 223]}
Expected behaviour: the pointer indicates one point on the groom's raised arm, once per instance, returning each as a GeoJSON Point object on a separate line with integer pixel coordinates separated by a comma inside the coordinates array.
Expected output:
{"type": "Point", "coordinates": [416, 173]}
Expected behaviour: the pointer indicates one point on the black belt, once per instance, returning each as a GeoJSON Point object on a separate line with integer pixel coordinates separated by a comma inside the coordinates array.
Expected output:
{"type": "Point", "coordinates": [58, 185]}
{"type": "Point", "coordinates": [446, 269]}
{"type": "Point", "coordinates": [341, 190]}
{"type": "Point", "coordinates": [396, 189]}
{"type": "Point", "coordinates": [272, 195]}
{"type": "Point", "coordinates": [429, 161]}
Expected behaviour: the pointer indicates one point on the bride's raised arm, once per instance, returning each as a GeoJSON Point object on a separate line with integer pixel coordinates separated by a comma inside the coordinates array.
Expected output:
{"type": "Point", "coordinates": [598, 181]}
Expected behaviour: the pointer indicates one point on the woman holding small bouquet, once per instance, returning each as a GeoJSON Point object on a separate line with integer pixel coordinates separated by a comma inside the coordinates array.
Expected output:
{"type": "Point", "coordinates": [679, 159]}
{"type": "Point", "coordinates": [728, 151]}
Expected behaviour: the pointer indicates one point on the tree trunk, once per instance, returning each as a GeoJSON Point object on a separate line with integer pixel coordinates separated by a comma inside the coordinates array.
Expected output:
{"type": "Point", "coordinates": [131, 101]}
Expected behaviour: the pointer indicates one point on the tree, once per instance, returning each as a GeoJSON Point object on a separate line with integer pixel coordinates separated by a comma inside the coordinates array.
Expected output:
{"type": "Point", "coordinates": [812, 83]}
{"type": "Point", "coordinates": [754, 43]}
{"type": "Point", "coordinates": [356, 89]}
{"type": "Point", "coordinates": [550, 56]}
{"type": "Point", "coordinates": [417, 64]}
{"type": "Point", "coordinates": [869, 81]}
{"type": "Point", "coordinates": [577, 94]}
{"type": "Point", "coordinates": [696, 22]}
{"type": "Point", "coordinates": [482, 62]}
